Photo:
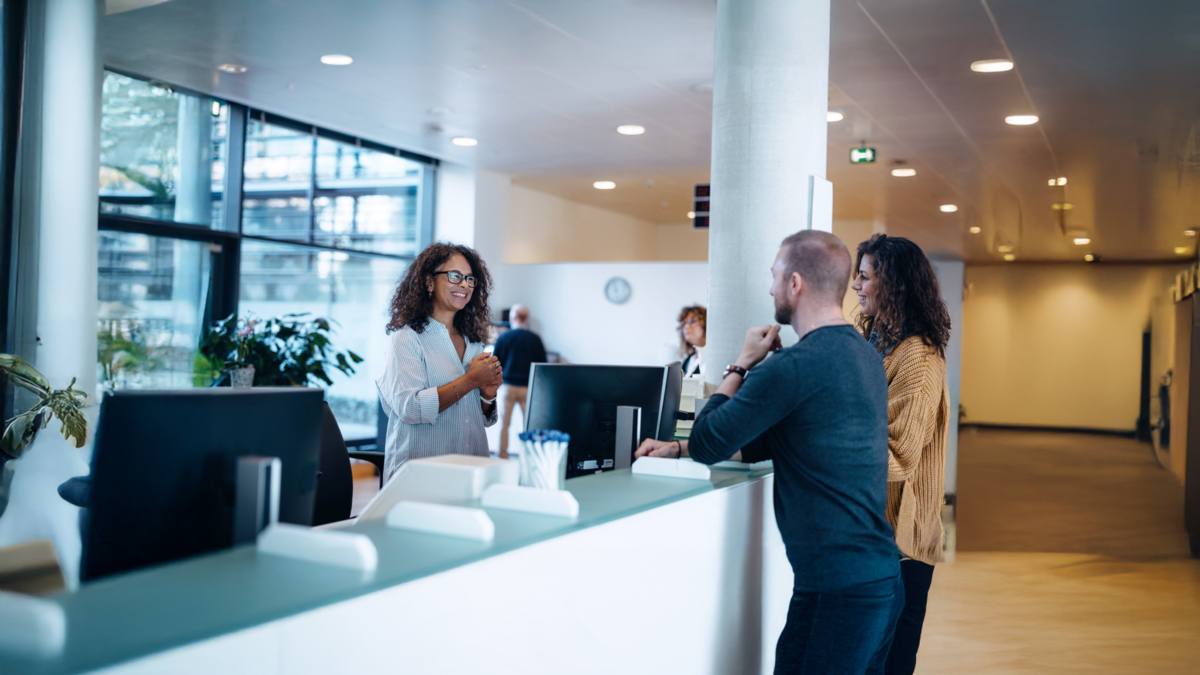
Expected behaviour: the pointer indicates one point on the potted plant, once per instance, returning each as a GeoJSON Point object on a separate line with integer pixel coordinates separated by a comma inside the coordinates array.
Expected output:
{"type": "Point", "coordinates": [19, 432]}
{"type": "Point", "coordinates": [291, 350]}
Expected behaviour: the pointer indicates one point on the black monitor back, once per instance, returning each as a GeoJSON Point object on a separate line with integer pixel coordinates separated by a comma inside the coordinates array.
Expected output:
{"type": "Point", "coordinates": [670, 405]}
{"type": "Point", "coordinates": [164, 466]}
{"type": "Point", "coordinates": [582, 401]}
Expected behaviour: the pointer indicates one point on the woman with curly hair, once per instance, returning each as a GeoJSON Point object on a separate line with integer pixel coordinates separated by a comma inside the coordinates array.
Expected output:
{"type": "Point", "coordinates": [692, 324]}
{"type": "Point", "coordinates": [438, 386]}
{"type": "Point", "coordinates": [905, 319]}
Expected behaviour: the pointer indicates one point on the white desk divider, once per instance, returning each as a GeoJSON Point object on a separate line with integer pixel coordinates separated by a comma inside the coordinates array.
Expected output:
{"type": "Point", "coordinates": [31, 627]}
{"type": "Point", "coordinates": [765, 464]}
{"type": "Point", "coordinates": [531, 500]}
{"type": "Point", "coordinates": [446, 479]}
{"type": "Point", "coordinates": [671, 468]}
{"type": "Point", "coordinates": [324, 547]}
{"type": "Point", "coordinates": [449, 521]}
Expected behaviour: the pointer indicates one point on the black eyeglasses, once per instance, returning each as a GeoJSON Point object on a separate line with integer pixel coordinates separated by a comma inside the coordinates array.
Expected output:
{"type": "Point", "coordinates": [456, 278]}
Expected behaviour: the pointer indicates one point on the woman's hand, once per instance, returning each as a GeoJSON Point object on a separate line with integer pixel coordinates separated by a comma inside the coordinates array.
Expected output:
{"type": "Point", "coordinates": [653, 448]}
{"type": "Point", "coordinates": [483, 371]}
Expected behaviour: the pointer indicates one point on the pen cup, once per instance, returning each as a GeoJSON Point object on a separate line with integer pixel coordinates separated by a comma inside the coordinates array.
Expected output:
{"type": "Point", "coordinates": [543, 462]}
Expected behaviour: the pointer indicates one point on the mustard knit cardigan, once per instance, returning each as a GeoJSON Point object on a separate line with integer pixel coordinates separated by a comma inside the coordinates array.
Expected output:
{"type": "Point", "coordinates": [918, 419]}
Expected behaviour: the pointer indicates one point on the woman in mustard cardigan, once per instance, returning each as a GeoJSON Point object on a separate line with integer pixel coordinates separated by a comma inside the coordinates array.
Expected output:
{"type": "Point", "coordinates": [905, 319]}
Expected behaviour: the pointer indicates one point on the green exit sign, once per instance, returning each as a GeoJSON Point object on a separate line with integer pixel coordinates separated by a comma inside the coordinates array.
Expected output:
{"type": "Point", "coordinates": [862, 155]}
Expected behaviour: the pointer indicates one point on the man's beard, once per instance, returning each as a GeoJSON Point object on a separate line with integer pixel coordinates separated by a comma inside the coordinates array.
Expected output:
{"type": "Point", "coordinates": [783, 314]}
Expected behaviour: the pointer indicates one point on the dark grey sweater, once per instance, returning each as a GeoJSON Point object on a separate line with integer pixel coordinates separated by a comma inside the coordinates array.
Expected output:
{"type": "Point", "coordinates": [819, 410]}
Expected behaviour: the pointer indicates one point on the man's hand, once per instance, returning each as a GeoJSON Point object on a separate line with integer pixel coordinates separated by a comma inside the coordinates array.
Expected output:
{"type": "Point", "coordinates": [760, 341]}
{"type": "Point", "coordinates": [653, 448]}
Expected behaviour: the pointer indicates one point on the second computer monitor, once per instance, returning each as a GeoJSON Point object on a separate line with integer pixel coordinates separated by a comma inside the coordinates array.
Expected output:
{"type": "Point", "coordinates": [582, 401]}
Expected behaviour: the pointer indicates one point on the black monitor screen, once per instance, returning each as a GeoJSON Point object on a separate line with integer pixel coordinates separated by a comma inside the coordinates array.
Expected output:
{"type": "Point", "coordinates": [164, 467]}
{"type": "Point", "coordinates": [583, 400]}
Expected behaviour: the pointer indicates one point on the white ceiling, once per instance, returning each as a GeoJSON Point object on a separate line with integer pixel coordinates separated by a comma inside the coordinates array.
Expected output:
{"type": "Point", "coordinates": [543, 85]}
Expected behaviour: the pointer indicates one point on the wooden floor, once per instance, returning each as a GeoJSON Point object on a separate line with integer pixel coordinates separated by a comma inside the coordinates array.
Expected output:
{"type": "Point", "coordinates": [1072, 558]}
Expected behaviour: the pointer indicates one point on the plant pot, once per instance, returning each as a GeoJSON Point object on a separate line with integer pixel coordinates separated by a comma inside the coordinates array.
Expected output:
{"type": "Point", "coordinates": [242, 377]}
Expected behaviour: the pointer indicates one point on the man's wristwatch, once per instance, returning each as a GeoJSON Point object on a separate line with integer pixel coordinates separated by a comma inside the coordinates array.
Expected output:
{"type": "Point", "coordinates": [735, 369]}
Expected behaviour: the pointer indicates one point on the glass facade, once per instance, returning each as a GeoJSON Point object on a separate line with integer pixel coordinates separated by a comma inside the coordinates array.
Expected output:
{"type": "Point", "coordinates": [327, 225]}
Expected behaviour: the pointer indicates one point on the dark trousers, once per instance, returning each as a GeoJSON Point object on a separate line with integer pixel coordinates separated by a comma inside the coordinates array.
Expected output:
{"type": "Point", "coordinates": [902, 659]}
{"type": "Point", "coordinates": [844, 631]}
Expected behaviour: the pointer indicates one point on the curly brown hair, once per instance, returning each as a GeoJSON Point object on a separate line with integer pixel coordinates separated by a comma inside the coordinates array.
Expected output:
{"type": "Point", "coordinates": [910, 301]}
{"type": "Point", "coordinates": [698, 311]}
{"type": "Point", "coordinates": [412, 304]}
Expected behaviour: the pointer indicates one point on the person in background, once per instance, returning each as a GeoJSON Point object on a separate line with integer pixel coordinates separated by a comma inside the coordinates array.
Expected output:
{"type": "Point", "coordinates": [906, 321]}
{"type": "Point", "coordinates": [692, 323]}
{"type": "Point", "coordinates": [517, 348]}
{"type": "Point", "coordinates": [438, 386]}
{"type": "Point", "coordinates": [819, 410]}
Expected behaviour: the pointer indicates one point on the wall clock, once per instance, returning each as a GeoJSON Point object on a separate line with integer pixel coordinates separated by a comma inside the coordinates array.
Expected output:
{"type": "Point", "coordinates": [617, 290]}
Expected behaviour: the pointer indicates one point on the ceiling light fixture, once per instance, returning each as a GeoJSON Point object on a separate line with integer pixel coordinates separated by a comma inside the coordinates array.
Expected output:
{"type": "Point", "coordinates": [604, 185]}
{"type": "Point", "coordinates": [1064, 206]}
{"type": "Point", "coordinates": [1189, 233]}
{"type": "Point", "coordinates": [992, 66]}
{"type": "Point", "coordinates": [464, 141]}
{"type": "Point", "coordinates": [216, 108]}
{"type": "Point", "coordinates": [691, 214]}
{"type": "Point", "coordinates": [1082, 241]}
{"type": "Point", "coordinates": [232, 68]}
{"type": "Point", "coordinates": [975, 229]}
{"type": "Point", "coordinates": [631, 130]}
{"type": "Point", "coordinates": [1062, 180]}
{"type": "Point", "coordinates": [1021, 120]}
{"type": "Point", "coordinates": [1009, 257]}
{"type": "Point", "coordinates": [336, 60]}
{"type": "Point", "coordinates": [901, 173]}
{"type": "Point", "coordinates": [1005, 248]}
{"type": "Point", "coordinates": [1181, 250]}
{"type": "Point", "coordinates": [834, 116]}
{"type": "Point", "coordinates": [1089, 257]}
{"type": "Point", "coordinates": [948, 208]}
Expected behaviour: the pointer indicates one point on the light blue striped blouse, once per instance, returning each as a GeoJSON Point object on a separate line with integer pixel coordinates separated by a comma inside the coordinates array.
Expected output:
{"type": "Point", "coordinates": [416, 365]}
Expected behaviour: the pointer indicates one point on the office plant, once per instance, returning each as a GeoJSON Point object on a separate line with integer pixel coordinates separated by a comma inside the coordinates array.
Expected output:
{"type": "Point", "coordinates": [66, 404]}
{"type": "Point", "coordinates": [291, 350]}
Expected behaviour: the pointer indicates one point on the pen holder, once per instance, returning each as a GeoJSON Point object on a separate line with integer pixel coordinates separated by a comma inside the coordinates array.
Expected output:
{"type": "Point", "coordinates": [544, 459]}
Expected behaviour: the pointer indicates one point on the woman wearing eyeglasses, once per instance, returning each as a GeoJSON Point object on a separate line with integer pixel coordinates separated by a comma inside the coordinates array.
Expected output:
{"type": "Point", "coordinates": [904, 318]}
{"type": "Point", "coordinates": [438, 386]}
{"type": "Point", "coordinates": [692, 323]}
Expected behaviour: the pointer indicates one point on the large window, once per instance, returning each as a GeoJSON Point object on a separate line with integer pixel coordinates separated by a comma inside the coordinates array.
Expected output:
{"type": "Point", "coordinates": [326, 225]}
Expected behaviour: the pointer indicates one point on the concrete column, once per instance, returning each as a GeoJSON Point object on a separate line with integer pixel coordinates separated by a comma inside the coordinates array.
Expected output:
{"type": "Point", "coordinates": [770, 98]}
{"type": "Point", "coordinates": [193, 204]}
{"type": "Point", "coordinates": [68, 194]}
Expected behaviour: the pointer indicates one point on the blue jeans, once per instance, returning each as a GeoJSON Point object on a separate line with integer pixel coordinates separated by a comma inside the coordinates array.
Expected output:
{"type": "Point", "coordinates": [844, 631]}
{"type": "Point", "coordinates": [902, 659]}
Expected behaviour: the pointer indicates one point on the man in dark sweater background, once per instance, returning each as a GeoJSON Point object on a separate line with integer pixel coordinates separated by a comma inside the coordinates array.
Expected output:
{"type": "Point", "coordinates": [517, 348]}
{"type": "Point", "coordinates": [819, 410]}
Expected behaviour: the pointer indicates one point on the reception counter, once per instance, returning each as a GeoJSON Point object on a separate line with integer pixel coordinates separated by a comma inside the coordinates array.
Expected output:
{"type": "Point", "coordinates": [656, 575]}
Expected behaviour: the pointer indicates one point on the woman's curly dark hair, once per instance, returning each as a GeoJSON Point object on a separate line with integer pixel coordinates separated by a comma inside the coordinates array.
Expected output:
{"type": "Point", "coordinates": [698, 311]}
{"type": "Point", "coordinates": [909, 299]}
{"type": "Point", "coordinates": [412, 304]}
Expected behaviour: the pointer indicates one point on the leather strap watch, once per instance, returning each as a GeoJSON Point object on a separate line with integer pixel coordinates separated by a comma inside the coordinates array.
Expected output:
{"type": "Point", "coordinates": [735, 369]}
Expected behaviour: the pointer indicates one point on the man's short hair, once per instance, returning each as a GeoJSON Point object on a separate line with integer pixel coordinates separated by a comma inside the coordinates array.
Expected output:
{"type": "Point", "coordinates": [822, 260]}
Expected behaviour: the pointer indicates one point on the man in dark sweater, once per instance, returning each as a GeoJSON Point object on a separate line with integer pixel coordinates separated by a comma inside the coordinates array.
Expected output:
{"type": "Point", "coordinates": [517, 348]}
{"type": "Point", "coordinates": [819, 410]}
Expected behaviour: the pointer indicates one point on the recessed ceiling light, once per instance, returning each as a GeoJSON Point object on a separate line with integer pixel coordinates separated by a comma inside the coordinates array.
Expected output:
{"type": "Point", "coordinates": [464, 141]}
{"type": "Point", "coordinates": [1005, 248]}
{"type": "Point", "coordinates": [1065, 206]}
{"type": "Point", "coordinates": [992, 66]}
{"type": "Point", "coordinates": [1021, 120]}
{"type": "Point", "coordinates": [1189, 233]}
{"type": "Point", "coordinates": [1062, 180]}
{"type": "Point", "coordinates": [1008, 257]}
{"type": "Point", "coordinates": [336, 60]}
{"type": "Point", "coordinates": [216, 108]}
{"type": "Point", "coordinates": [948, 208]}
{"type": "Point", "coordinates": [232, 68]}
{"type": "Point", "coordinates": [1082, 241]}
{"type": "Point", "coordinates": [1181, 250]}
{"type": "Point", "coordinates": [631, 130]}
{"type": "Point", "coordinates": [1089, 257]}
{"type": "Point", "coordinates": [604, 185]}
{"type": "Point", "coordinates": [975, 229]}
{"type": "Point", "coordinates": [833, 116]}
{"type": "Point", "coordinates": [901, 173]}
{"type": "Point", "coordinates": [691, 214]}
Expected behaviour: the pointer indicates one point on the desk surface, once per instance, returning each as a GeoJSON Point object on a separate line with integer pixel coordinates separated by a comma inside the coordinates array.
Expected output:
{"type": "Point", "coordinates": [137, 614]}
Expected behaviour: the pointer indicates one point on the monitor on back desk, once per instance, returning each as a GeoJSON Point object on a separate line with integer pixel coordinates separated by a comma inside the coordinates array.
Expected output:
{"type": "Point", "coordinates": [163, 467]}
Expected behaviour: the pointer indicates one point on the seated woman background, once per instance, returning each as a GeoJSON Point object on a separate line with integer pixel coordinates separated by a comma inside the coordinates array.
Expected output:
{"type": "Point", "coordinates": [438, 386]}
{"type": "Point", "coordinates": [693, 322]}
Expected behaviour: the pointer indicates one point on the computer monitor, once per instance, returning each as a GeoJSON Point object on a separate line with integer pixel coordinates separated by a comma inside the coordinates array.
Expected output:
{"type": "Point", "coordinates": [582, 401]}
{"type": "Point", "coordinates": [164, 464]}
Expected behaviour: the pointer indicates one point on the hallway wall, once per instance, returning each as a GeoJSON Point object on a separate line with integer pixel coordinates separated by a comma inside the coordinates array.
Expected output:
{"type": "Point", "coordinates": [1059, 345]}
